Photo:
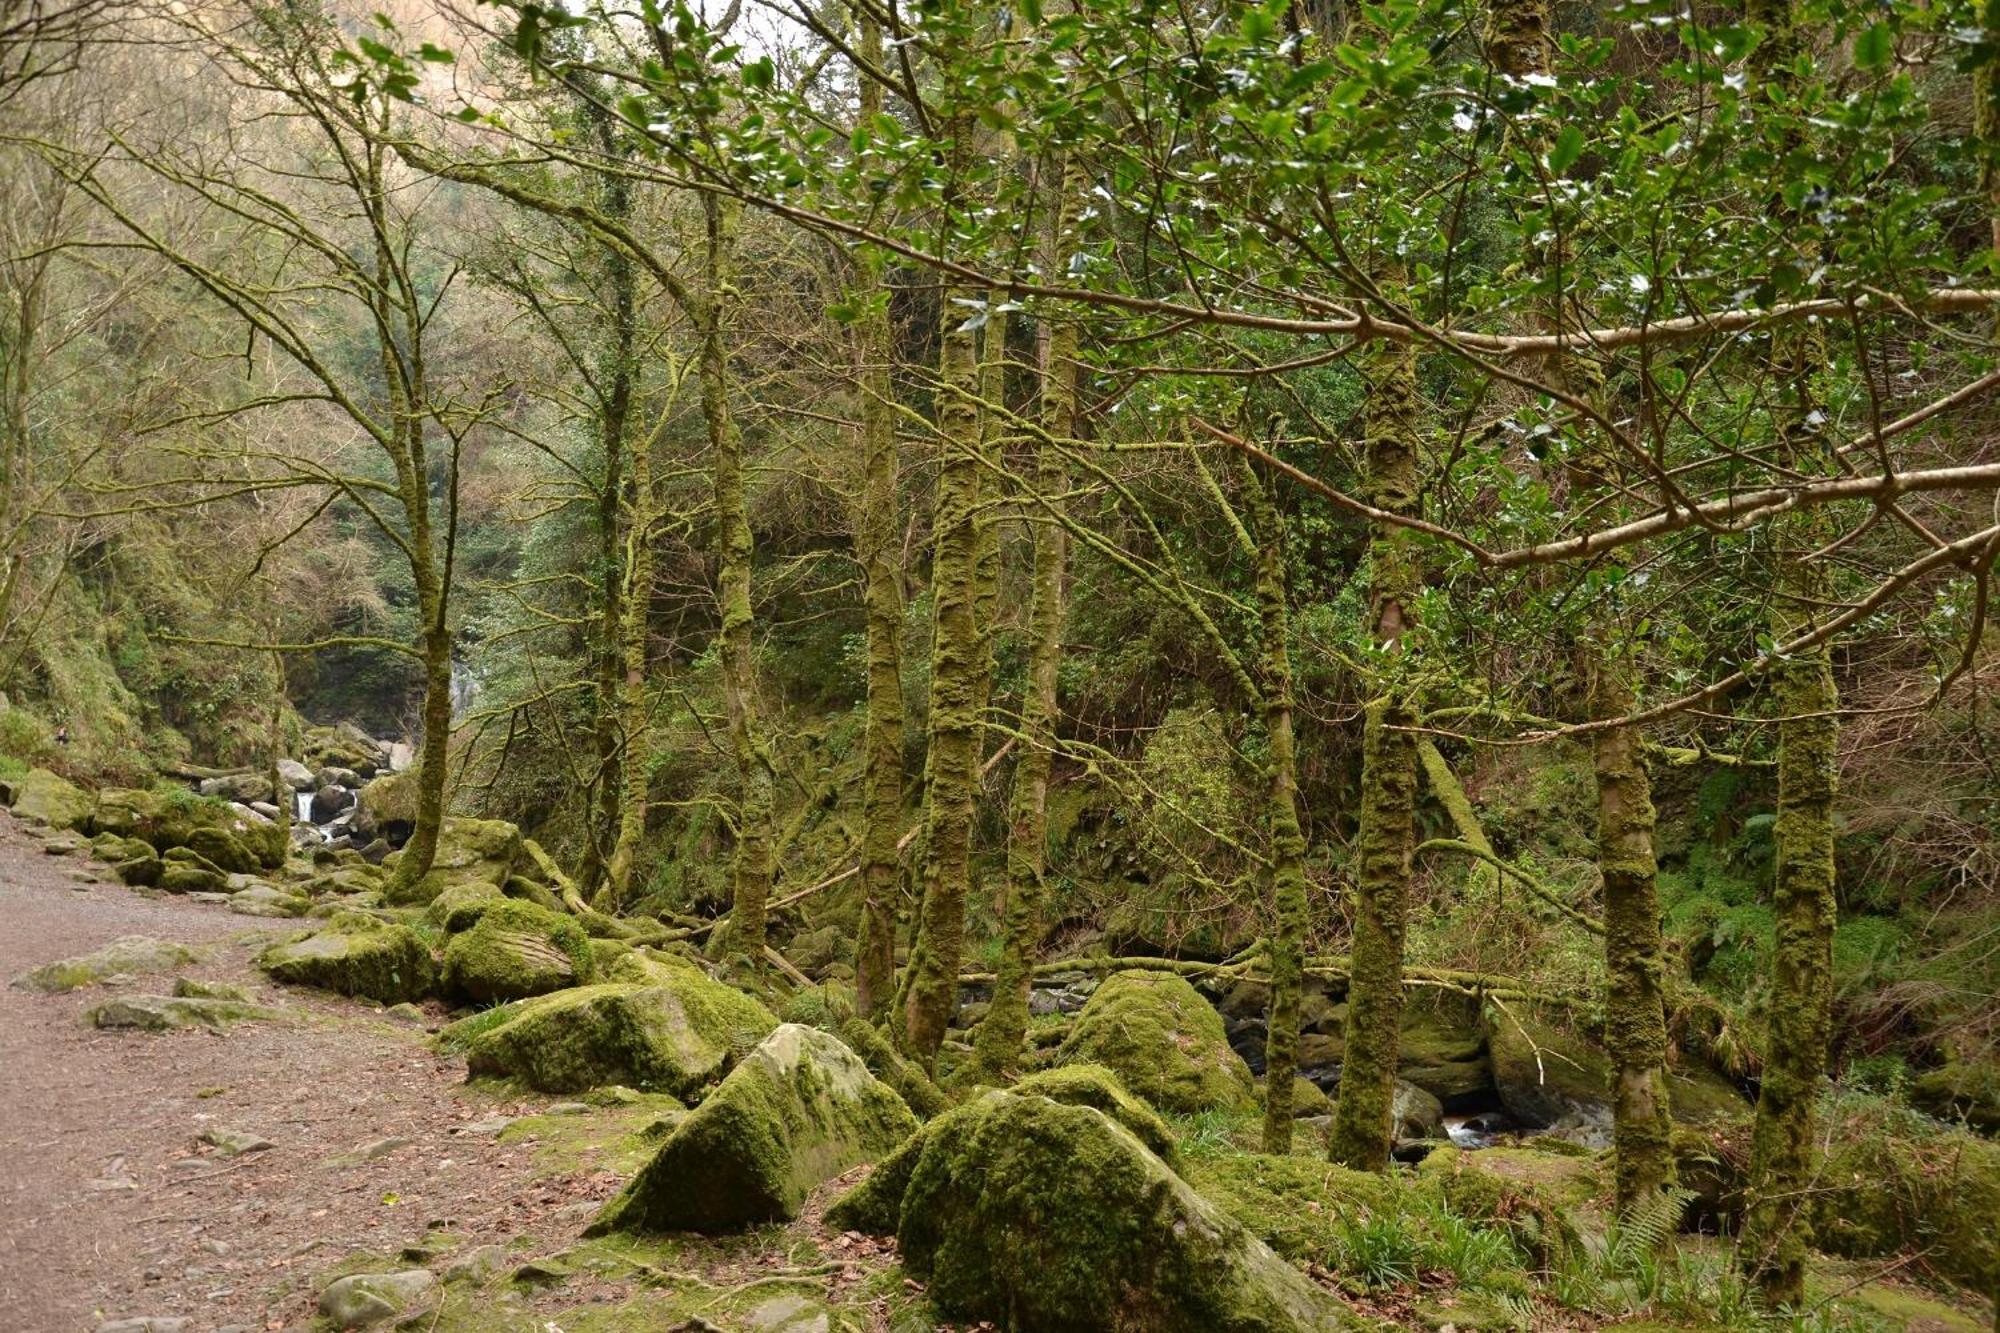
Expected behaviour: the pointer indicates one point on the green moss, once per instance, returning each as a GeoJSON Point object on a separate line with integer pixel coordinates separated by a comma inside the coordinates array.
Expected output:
{"type": "Point", "coordinates": [1886, 1186]}
{"type": "Point", "coordinates": [1296, 1205]}
{"type": "Point", "coordinates": [356, 955]}
{"type": "Point", "coordinates": [41, 797]}
{"type": "Point", "coordinates": [126, 956]}
{"type": "Point", "coordinates": [1540, 1196]}
{"type": "Point", "coordinates": [1100, 1233]}
{"type": "Point", "coordinates": [672, 1036]}
{"type": "Point", "coordinates": [1163, 1041]}
{"type": "Point", "coordinates": [887, 1063]}
{"type": "Point", "coordinates": [514, 950]}
{"type": "Point", "coordinates": [798, 1110]}
{"type": "Point", "coordinates": [1096, 1086]}
{"type": "Point", "coordinates": [620, 1138]}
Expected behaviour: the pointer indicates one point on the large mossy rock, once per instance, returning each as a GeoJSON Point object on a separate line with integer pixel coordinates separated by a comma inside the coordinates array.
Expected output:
{"type": "Point", "coordinates": [1961, 1090]}
{"type": "Point", "coordinates": [1546, 1076]}
{"type": "Point", "coordinates": [675, 1033]}
{"type": "Point", "coordinates": [1887, 1188]}
{"type": "Point", "coordinates": [127, 956]}
{"type": "Point", "coordinates": [42, 797]}
{"type": "Point", "coordinates": [797, 1111]}
{"type": "Point", "coordinates": [1098, 1087]}
{"type": "Point", "coordinates": [387, 806]}
{"type": "Point", "coordinates": [1163, 1041]}
{"type": "Point", "coordinates": [1050, 1216]}
{"type": "Point", "coordinates": [890, 1065]}
{"type": "Point", "coordinates": [1440, 1049]}
{"type": "Point", "coordinates": [1539, 1192]}
{"type": "Point", "coordinates": [470, 853]}
{"type": "Point", "coordinates": [167, 820]}
{"type": "Point", "coordinates": [514, 950]}
{"type": "Point", "coordinates": [167, 1013]}
{"type": "Point", "coordinates": [356, 955]}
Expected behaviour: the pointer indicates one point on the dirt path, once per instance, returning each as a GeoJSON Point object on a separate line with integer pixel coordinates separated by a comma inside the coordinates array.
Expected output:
{"type": "Point", "coordinates": [110, 1207]}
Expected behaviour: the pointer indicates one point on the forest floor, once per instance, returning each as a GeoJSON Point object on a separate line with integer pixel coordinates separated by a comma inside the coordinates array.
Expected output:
{"type": "Point", "coordinates": [112, 1207]}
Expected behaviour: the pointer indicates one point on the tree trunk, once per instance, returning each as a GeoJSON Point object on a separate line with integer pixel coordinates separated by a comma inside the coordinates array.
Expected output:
{"type": "Point", "coordinates": [876, 549]}
{"type": "Point", "coordinates": [1775, 1230]}
{"type": "Point", "coordinates": [604, 824]}
{"type": "Point", "coordinates": [735, 549]}
{"type": "Point", "coordinates": [1287, 956]}
{"type": "Point", "coordinates": [1362, 1131]}
{"type": "Point", "coordinates": [1635, 1016]}
{"type": "Point", "coordinates": [1006, 1021]}
{"type": "Point", "coordinates": [636, 754]}
{"type": "Point", "coordinates": [958, 654]}
{"type": "Point", "coordinates": [433, 762]}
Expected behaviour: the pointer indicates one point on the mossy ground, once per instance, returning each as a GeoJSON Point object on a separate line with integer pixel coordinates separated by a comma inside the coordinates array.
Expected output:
{"type": "Point", "coordinates": [619, 1138]}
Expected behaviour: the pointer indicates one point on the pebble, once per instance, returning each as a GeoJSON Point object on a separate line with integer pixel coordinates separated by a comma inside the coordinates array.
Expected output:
{"type": "Point", "coordinates": [567, 1108]}
{"type": "Point", "coordinates": [147, 1323]}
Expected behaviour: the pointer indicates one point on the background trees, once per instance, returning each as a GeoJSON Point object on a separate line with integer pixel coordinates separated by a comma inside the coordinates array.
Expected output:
{"type": "Point", "coordinates": [980, 483]}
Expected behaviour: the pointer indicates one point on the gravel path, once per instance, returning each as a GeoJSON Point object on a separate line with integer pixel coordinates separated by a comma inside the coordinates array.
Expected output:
{"type": "Point", "coordinates": [110, 1207]}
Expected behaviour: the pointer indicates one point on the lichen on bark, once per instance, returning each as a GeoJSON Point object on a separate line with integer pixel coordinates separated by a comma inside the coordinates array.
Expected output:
{"type": "Point", "coordinates": [1362, 1131]}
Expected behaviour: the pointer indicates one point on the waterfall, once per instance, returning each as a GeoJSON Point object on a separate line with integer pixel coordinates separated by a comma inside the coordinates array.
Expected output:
{"type": "Point", "coordinates": [465, 687]}
{"type": "Point", "coordinates": [302, 801]}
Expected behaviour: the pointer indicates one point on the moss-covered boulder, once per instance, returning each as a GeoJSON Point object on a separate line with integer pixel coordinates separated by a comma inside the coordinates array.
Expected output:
{"type": "Point", "coordinates": [387, 806]}
{"type": "Point", "coordinates": [887, 1063]}
{"type": "Point", "coordinates": [1888, 1187]}
{"type": "Point", "coordinates": [130, 955]}
{"type": "Point", "coordinates": [1046, 1215]}
{"type": "Point", "coordinates": [469, 852]}
{"type": "Point", "coordinates": [356, 955]}
{"type": "Point", "coordinates": [1095, 1086]}
{"type": "Point", "coordinates": [1539, 1192]}
{"type": "Point", "coordinates": [457, 907]}
{"type": "Point", "coordinates": [41, 797]}
{"type": "Point", "coordinates": [798, 1110]}
{"type": "Point", "coordinates": [514, 950]}
{"type": "Point", "coordinates": [1163, 1041]}
{"type": "Point", "coordinates": [224, 849]}
{"type": "Point", "coordinates": [184, 870]}
{"type": "Point", "coordinates": [1440, 1049]}
{"type": "Point", "coordinates": [165, 1013]}
{"type": "Point", "coordinates": [1967, 1090]}
{"type": "Point", "coordinates": [1297, 1205]}
{"type": "Point", "coordinates": [674, 1034]}
{"type": "Point", "coordinates": [1546, 1076]}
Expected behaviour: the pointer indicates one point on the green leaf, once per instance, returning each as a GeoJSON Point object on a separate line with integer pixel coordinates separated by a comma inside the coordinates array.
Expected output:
{"type": "Point", "coordinates": [1875, 47]}
{"type": "Point", "coordinates": [436, 55]}
{"type": "Point", "coordinates": [1567, 148]}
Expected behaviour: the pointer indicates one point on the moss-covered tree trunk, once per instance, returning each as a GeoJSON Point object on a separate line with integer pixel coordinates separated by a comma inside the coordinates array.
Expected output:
{"type": "Point", "coordinates": [635, 754]}
{"type": "Point", "coordinates": [1006, 1021]}
{"type": "Point", "coordinates": [958, 672]}
{"type": "Point", "coordinates": [875, 548]}
{"type": "Point", "coordinates": [1775, 1230]}
{"type": "Point", "coordinates": [1635, 1015]}
{"type": "Point", "coordinates": [735, 549]}
{"type": "Point", "coordinates": [1362, 1133]}
{"type": "Point", "coordinates": [1287, 954]}
{"type": "Point", "coordinates": [611, 739]}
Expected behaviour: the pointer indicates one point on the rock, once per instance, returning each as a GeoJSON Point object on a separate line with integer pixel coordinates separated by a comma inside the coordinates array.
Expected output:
{"type": "Point", "coordinates": [887, 1063]}
{"type": "Point", "coordinates": [141, 866]}
{"type": "Point", "coordinates": [370, 1149]}
{"type": "Point", "coordinates": [41, 797]}
{"type": "Point", "coordinates": [476, 1264]}
{"type": "Point", "coordinates": [1100, 1233]}
{"type": "Point", "coordinates": [330, 801]}
{"type": "Point", "coordinates": [356, 955]}
{"type": "Point", "coordinates": [404, 1013]}
{"type": "Point", "coordinates": [1097, 1087]}
{"type": "Point", "coordinates": [1884, 1189]}
{"type": "Point", "coordinates": [469, 851]}
{"type": "Point", "coordinates": [223, 849]}
{"type": "Point", "coordinates": [185, 871]}
{"type": "Point", "coordinates": [402, 756]}
{"type": "Point", "coordinates": [1414, 1113]}
{"type": "Point", "coordinates": [798, 1110]}
{"type": "Point", "coordinates": [387, 806]}
{"type": "Point", "coordinates": [148, 1323]}
{"type": "Point", "coordinates": [513, 950]}
{"type": "Point", "coordinates": [264, 809]}
{"type": "Point", "coordinates": [364, 1300]}
{"type": "Point", "coordinates": [673, 1034]}
{"type": "Point", "coordinates": [334, 776]}
{"type": "Point", "coordinates": [61, 847]}
{"type": "Point", "coordinates": [250, 814]}
{"type": "Point", "coordinates": [1967, 1090]}
{"type": "Point", "coordinates": [235, 1142]}
{"type": "Point", "coordinates": [245, 787]}
{"type": "Point", "coordinates": [295, 775]}
{"type": "Point", "coordinates": [127, 956]}
{"type": "Point", "coordinates": [164, 1013]}
{"type": "Point", "coordinates": [1164, 1042]}
{"type": "Point", "coordinates": [187, 988]}
{"type": "Point", "coordinates": [263, 900]}
{"type": "Point", "coordinates": [1545, 1076]}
